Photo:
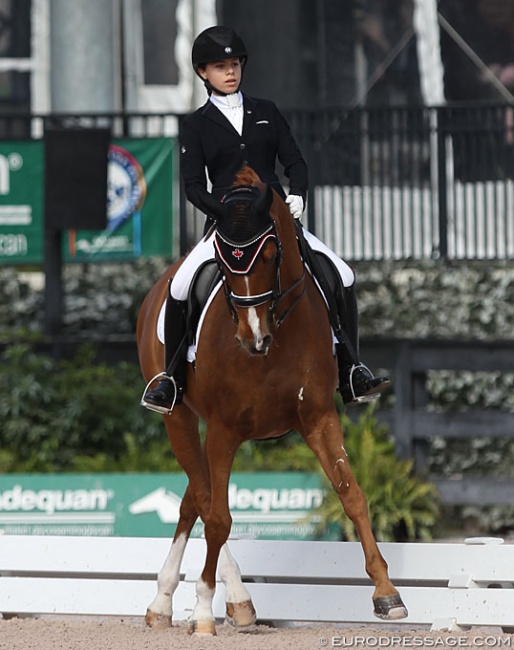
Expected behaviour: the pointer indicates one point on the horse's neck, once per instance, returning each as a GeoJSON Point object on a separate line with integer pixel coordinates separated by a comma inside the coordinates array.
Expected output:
{"type": "Point", "coordinates": [292, 263]}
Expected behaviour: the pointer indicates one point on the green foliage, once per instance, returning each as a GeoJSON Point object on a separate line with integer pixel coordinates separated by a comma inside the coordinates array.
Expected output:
{"type": "Point", "coordinates": [401, 506]}
{"type": "Point", "coordinates": [286, 454]}
{"type": "Point", "coordinates": [157, 456]}
{"type": "Point", "coordinates": [53, 412]}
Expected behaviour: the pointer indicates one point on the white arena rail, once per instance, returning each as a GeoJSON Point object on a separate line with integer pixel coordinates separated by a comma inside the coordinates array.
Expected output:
{"type": "Point", "coordinates": [443, 585]}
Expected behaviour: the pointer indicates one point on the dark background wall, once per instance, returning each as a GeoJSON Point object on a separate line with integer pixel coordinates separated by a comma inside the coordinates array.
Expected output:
{"type": "Point", "coordinates": [301, 53]}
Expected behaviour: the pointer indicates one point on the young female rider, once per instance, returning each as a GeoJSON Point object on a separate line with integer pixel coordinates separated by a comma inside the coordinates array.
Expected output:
{"type": "Point", "coordinates": [229, 130]}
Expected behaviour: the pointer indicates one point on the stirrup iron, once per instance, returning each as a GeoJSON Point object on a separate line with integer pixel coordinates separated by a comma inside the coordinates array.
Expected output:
{"type": "Point", "coordinates": [361, 399]}
{"type": "Point", "coordinates": [154, 407]}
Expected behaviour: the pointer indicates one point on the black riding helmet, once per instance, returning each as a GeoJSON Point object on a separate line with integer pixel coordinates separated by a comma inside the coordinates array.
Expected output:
{"type": "Point", "coordinates": [216, 44]}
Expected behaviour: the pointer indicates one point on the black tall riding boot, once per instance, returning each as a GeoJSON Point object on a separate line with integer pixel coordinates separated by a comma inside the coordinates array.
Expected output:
{"type": "Point", "coordinates": [356, 382]}
{"type": "Point", "coordinates": [172, 382]}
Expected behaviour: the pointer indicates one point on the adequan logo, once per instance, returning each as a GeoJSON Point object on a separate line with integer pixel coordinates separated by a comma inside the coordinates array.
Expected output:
{"type": "Point", "coordinates": [55, 506]}
{"type": "Point", "coordinates": [246, 505]}
{"type": "Point", "coordinates": [165, 503]}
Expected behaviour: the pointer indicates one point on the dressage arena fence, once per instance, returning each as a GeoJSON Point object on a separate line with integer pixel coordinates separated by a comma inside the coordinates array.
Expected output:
{"type": "Point", "coordinates": [446, 586]}
{"type": "Point", "coordinates": [414, 421]}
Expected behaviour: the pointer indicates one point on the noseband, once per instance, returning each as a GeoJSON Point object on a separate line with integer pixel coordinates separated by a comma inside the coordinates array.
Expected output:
{"type": "Point", "coordinates": [239, 259]}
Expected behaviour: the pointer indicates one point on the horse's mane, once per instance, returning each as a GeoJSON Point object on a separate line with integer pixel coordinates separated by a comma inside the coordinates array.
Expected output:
{"type": "Point", "coordinates": [247, 176]}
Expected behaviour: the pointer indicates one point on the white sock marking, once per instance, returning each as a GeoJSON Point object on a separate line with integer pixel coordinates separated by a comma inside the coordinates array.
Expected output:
{"type": "Point", "coordinates": [230, 574]}
{"type": "Point", "coordinates": [168, 578]}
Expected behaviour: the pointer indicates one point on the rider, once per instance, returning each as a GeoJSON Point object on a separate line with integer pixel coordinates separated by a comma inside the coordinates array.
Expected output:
{"type": "Point", "coordinates": [229, 130]}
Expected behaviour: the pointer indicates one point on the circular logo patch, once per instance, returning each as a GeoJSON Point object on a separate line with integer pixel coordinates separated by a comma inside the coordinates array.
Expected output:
{"type": "Point", "coordinates": [126, 186]}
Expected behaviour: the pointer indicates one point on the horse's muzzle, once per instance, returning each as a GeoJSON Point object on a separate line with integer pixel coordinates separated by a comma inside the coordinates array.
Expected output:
{"type": "Point", "coordinates": [257, 346]}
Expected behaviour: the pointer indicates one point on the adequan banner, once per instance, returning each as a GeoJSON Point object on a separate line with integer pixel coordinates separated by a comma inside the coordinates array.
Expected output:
{"type": "Point", "coordinates": [139, 204]}
{"type": "Point", "coordinates": [264, 505]}
{"type": "Point", "coordinates": [21, 202]}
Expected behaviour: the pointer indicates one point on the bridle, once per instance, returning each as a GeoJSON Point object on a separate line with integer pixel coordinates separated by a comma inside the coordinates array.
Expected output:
{"type": "Point", "coordinates": [274, 295]}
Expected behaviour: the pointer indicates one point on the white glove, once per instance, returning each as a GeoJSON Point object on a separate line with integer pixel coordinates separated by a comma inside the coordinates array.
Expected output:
{"type": "Point", "coordinates": [295, 203]}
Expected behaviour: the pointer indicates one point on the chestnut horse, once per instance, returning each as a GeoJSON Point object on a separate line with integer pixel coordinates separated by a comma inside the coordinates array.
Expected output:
{"type": "Point", "coordinates": [264, 366]}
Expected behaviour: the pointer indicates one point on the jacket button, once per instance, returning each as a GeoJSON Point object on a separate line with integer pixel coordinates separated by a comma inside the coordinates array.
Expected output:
{"type": "Point", "coordinates": [242, 146]}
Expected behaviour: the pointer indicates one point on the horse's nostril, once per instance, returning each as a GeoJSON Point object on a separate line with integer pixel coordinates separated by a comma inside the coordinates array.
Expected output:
{"type": "Point", "coordinates": [262, 346]}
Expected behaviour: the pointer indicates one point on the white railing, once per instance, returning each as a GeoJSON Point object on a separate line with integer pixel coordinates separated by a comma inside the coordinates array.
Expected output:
{"type": "Point", "coordinates": [444, 585]}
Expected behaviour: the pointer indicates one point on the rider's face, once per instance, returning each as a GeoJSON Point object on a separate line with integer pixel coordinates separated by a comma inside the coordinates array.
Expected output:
{"type": "Point", "coordinates": [223, 75]}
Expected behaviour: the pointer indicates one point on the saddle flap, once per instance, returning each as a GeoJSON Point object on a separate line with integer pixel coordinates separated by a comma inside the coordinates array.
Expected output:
{"type": "Point", "coordinates": [204, 281]}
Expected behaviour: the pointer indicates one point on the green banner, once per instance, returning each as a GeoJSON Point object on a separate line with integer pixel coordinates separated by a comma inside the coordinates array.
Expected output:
{"type": "Point", "coordinates": [21, 202]}
{"type": "Point", "coordinates": [139, 204]}
{"type": "Point", "coordinates": [265, 505]}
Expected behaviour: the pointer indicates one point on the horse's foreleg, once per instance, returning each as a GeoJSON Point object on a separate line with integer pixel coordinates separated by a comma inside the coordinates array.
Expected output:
{"type": "Point", "coordinates": [327, 442]}
{"type": "Point", "coordinates": [160, 612]}
{"type": "Point", "coordinates": [182, 429]}
{"type": "Point", "coordinates": [220, 453]}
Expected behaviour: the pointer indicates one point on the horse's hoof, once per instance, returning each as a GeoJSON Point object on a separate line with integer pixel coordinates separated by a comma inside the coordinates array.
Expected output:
{"type": "Point", "coordinates": [241, 614]}
{"type": "Point", "coordinates": [389, 608]}
{"type": "Point", "coordinates": [202, 628]}
{"type": "Point", "coordinates": [157, 621]}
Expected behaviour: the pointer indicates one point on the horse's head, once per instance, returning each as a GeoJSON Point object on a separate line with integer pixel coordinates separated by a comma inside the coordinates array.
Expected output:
{"type": "Point", "coordinates": [248, 250]}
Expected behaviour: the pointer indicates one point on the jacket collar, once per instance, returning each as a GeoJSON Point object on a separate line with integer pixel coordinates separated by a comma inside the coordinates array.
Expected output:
{"type": "Point", "coordinates": [210, 111]}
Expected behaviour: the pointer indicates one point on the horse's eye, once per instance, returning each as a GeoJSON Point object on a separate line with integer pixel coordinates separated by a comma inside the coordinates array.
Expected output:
{"type": "Point", "coordinates": [270, 256]}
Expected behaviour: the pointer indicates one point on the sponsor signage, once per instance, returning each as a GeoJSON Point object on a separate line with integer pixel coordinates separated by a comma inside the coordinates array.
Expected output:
{"type": "Point", "coordinates": [267, 505]}
{"type": "Point", "coordinates": [21, 202]}
{"type": "Point", "coordinates": [139, 204]}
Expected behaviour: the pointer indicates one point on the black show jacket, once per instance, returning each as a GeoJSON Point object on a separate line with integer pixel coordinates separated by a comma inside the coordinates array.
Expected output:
{"type": "Point", "coordinates": [208, 140]}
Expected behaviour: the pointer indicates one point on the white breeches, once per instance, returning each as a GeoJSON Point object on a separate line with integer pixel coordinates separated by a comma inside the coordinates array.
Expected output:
{"type": "Point", "coordinates": [204, 251]}
{"type": "Point", "coordinates": [346, 273]}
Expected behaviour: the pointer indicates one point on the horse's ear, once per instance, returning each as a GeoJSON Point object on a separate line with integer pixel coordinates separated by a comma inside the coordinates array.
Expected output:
{"type": "Point", "coordinates": [263, 203]}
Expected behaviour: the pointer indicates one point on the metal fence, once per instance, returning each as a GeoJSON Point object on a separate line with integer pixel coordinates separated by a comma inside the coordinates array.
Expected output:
{"type": "Point", "coordinates": [411, 183]}
{"type": "Point", "coordinates": [385, 183]}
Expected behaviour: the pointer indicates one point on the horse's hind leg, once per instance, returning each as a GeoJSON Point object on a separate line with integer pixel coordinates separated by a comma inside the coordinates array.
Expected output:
{"type": "Point", "coordinates": [240, 610]}
{"type": "Point", "coordinates": [326, 440]}
{"type": "Point", "coordinates": [160, 611]}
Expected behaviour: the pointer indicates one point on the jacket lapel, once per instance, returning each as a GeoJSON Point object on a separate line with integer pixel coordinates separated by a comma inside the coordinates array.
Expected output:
{"type": "Point", "coordinates": [212, 113]}
{"type": "Point", "coordinates": [250, 112]}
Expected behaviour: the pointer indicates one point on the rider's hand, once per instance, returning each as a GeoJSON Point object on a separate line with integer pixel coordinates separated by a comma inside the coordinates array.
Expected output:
{"type": "Point", "coordinates": [295, 203]}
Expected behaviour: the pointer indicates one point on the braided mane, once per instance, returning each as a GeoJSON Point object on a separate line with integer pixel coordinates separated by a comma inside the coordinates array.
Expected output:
{"type": "Point", "coordinates": [247, 176]}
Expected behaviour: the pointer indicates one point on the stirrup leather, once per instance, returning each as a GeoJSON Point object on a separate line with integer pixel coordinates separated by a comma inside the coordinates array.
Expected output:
{"type": "Point", "coordinates": [154, 407]}
{"type": "Point", "coordinates": [360, 399]}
